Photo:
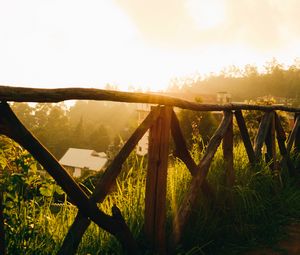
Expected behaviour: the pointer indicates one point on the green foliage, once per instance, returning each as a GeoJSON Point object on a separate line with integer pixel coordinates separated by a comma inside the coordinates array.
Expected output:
{"type": "Point", "coordinates": [49, 123]}
{"type": "Point", "coordinates": [26, 199]}
{"type": "Point", "coordinates": [250, 214]}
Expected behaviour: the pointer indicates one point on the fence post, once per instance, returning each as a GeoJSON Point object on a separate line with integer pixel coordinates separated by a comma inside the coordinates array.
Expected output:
{"type": "Point", "coordinates": [281, 138]}
{"type": "Point", "coordinates": [271, 150]}
{"type": "Point", "coordinates": [245, 136]}
{"type": "Point", "coordinates": [293, 135]}
{"type": "Point", "coordinates": [262, 133]}
{"type": "Point", "coordinates": [228, 154]}
{"type": "Point", "coordinates": [271, 145]}
{"type": "Point", "coordinates": [156, 182]}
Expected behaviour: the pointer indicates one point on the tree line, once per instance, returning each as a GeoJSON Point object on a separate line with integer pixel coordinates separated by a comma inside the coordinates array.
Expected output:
{"type": "Point", "coordinates": [247, 83]}
{"type": "Point", "coordinates": [86, 124]}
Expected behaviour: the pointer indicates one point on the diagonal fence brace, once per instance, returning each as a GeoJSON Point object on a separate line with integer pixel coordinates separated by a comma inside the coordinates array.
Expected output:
{"type": "Point", "coordinates": [104, 185]}
{"type": "Point", "coordinates": [184, 155]}
{"type": "Point", "coordinates": [189, 201]}
{"type": "Point", "coordinates": [14, 129]}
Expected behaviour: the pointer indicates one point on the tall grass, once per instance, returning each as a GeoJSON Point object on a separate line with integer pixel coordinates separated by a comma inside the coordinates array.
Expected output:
{"type": "Point", "coordinates": [253, 217]}
{"type": "Point", "coordinates": [252, 213]}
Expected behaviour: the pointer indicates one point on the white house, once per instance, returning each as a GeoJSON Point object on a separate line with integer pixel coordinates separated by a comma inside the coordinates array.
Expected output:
{"type": "Point", "coordinates": [80, 161]}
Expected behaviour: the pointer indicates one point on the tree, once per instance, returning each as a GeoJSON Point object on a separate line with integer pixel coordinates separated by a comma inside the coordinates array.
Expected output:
{"type": "Point", "coordinates": [25, 114]}
{"type": "Point", "coordinates": [48, 122]}
{"type": "Point", "coordinates": [99, 139]}
{"type": "Point", "coordinates": [78, 135]}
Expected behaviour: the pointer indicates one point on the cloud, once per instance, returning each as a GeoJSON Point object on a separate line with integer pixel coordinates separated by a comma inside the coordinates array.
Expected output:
{"type": "Point", "coordinates": [158, 21]}
{"type": "Point", "coordinates": [255, 23]}
{"type": "Point", "coordinates": [264, 25]}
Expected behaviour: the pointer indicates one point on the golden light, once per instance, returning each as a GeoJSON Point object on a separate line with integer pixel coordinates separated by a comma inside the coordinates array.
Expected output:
{"type": "Point", "coordinates": [94, 43]}
{"type": "Point", "coordinates": [206, 14]}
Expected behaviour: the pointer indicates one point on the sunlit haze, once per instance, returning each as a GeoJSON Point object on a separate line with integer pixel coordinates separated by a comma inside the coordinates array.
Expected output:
{"type": "Point", "coordinates": [136, 44]}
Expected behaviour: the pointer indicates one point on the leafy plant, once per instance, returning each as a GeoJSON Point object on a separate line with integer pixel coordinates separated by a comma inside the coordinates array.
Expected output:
{"type": "Point", "coordinates": [33, 226]}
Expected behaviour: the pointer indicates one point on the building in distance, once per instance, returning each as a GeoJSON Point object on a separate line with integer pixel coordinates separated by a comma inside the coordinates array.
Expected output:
{"type": "Point", "coordinates": [80, 162]}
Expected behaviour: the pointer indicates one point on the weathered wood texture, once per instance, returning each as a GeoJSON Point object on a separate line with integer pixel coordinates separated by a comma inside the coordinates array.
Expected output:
{"type": "Point", "coordinates": [281, 138]}
{"type": "Point", "coordinates": [227, 146]}
{"type": "Point", "coordinates": [156, 182]}
{"type": "Point", "coordinates": [2, 234]}
{"type": "Point", "coordinates": [74, 235]}
{"type": "Point", "coordinates": [104, 185]}
{"type": "Point", "coordinates": [189, 201]}
{"type": "Point", "coordinates": [245, 136]}
{"type": "Point", "coordinates": [13, 128]}
{"type": "Point", "coordinates": [20, 94]}
{"type": "Point", "coordinates": [182, 153]}
{"type": "Point", "coordinates": [295, 131]}
{"type": "Point", "coordinates": [270, 144]}
{"type": "Point", "coordinates": [262, 133]}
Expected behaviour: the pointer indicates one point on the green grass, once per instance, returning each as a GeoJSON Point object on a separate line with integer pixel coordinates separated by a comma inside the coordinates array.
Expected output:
{"type": "Point", "coordinates": [251, 214]}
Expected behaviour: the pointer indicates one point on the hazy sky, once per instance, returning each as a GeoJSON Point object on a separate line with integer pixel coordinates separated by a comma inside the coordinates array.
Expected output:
{"type": "Point", "coordinates": [55, 43]}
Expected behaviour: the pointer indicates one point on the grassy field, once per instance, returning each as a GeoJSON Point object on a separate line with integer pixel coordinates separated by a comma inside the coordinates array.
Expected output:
{"type": "Point", "coordinates": [252, 214]}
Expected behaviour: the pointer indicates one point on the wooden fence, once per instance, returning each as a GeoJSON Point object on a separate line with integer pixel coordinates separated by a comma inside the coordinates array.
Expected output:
{"type": "Point", "coordinates": [162, 123]}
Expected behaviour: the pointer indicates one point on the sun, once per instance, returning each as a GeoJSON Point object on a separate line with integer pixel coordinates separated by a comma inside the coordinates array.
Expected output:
{"type": "Point", "coordinates": [206, 14]}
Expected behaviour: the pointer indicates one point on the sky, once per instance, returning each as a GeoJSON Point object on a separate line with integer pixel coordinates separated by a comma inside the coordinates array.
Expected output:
{"type": "Point", "coordinates": [140, 44]}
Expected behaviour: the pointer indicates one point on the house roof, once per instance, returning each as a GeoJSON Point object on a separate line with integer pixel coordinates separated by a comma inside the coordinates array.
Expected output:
{"type": "Point", "coordinates": [83, 158]}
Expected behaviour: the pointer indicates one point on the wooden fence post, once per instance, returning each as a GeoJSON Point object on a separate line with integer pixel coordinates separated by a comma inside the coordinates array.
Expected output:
{"type": "Point", "coordinates": [262, 134]}
{"type": "Point", "coordinates": [293, 134]}
{"type": "Point", "coordinates": [271, 145]}
{"type": "Point", "coordinates": [271, 150]}
{"type": "Point", "coordinates": [245, 136]}
{"type": "Point", "coordinates": [281, 137]}
{"type": "Point", "coordinates": [156, 182]}
{"type": "Point", "coordinates": [228, 154]}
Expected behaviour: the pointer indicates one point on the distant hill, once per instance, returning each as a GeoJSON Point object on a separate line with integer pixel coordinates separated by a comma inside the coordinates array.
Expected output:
{"type": "Point", "coordinates": [244, 84]}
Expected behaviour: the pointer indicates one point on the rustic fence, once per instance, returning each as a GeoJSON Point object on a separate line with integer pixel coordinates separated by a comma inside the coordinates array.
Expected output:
{"type": "Point", "coordinates": [162, 123]}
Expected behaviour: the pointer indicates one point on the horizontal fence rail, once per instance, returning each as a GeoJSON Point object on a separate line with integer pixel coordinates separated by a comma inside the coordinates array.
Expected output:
{"type": "Point", "coordinates": [162, 124]}
{"type": "Point", "coordinates": [20, 94]}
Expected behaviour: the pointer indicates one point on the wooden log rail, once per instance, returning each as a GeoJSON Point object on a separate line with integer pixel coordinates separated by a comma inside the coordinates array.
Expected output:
{"type": "Point", "coordinates": [20, 94]}
{"type": "Point", "coordinates": [162, 123]}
